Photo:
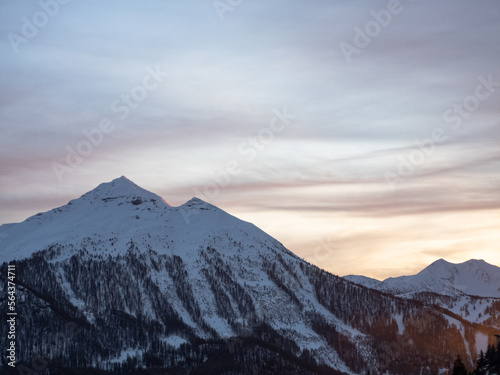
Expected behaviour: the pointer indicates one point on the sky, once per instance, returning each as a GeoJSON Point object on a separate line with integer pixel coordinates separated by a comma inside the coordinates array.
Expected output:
{"type": "Point", "coordinates": [362, 135]}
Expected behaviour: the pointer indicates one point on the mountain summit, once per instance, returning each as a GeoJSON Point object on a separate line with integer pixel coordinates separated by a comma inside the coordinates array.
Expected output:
{"type": "Point", "coordinates": [122, 189]}
{"type": "Point", "coordinates": [108, 209]}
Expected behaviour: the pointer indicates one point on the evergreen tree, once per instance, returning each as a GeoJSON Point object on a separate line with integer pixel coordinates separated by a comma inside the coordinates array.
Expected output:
{"type": "Point", "coordinates": [481, 362]}
{"type": "Point", "coordinates": [495, 361]}
{"type": "Point", "coordinates": [488, 363]}
{"type": "Point", "coordinates": [481, 365]}
{"type": "Point", "coordinates": [459, 367]}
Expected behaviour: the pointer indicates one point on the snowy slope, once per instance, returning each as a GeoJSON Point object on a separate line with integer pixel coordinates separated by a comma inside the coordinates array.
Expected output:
{"type": "Point", "coordinates": [363, 280]}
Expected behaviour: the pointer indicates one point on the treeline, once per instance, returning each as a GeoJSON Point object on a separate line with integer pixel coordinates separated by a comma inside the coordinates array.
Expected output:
{"type": "Point", "coordinates": [264, 353]}
{"type": "Point", "coordinates": [487, 364]}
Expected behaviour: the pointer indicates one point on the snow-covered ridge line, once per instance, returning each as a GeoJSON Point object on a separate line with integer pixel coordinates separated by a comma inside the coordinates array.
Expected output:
{"type": "Point", "coordinates": [471, 278]}
{"type": "Point", "coordinates": [117, 209]}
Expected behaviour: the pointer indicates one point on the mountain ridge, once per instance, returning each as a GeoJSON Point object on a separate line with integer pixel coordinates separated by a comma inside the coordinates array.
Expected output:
{"type": "Point", "coordinates": [474, 277]}
{"type": "Point", "coordinates": [114, 207]}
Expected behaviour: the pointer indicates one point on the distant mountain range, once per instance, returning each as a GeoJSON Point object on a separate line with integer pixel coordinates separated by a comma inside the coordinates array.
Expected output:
{"type": "Point", "coordinates": [470, 289]}
{"type": "Point", "coordinates": [471, 278]}
{"type": "Point", "coordinates": [119, 281]}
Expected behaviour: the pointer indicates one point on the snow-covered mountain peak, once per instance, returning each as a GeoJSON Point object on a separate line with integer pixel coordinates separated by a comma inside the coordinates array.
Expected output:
{"type": "Point", "coordinates": [121, 189]}
{"type": "Point", "coordinates": [440, 262]}
{"type": "Point", "coordinates": [197, 202]}
{"type": "Point", "coordinates": [118, 212]}
{"type": "Point", "coordinates": [112, 209]}
{"type": "Point", "coordinates": [477, 263]}
{"type": "Point", "coordinates": [439, 267]}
